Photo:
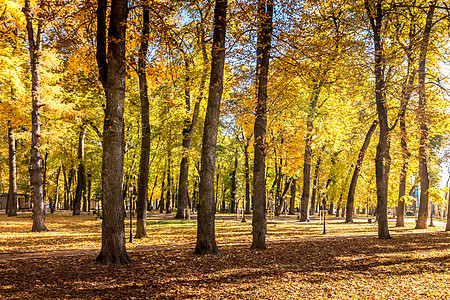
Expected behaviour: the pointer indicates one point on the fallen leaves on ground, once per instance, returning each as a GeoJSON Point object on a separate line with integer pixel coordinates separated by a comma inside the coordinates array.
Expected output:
{"type": "Point", "coordinates": [410, 266]}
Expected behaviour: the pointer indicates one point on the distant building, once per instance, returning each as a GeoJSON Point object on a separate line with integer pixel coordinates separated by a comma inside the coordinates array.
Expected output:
{"type": "Point", "coordinates": [23, 201]}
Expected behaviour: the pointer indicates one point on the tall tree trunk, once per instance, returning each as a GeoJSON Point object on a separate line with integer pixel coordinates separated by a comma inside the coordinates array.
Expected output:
{"type": "Point", "coordinates": [405, 96]}
{"type": "Point", "coordinates": [169, 184]}
{"type": "Point", "coordinates": [206, 239]}
{"type": "Point", "coordinates": [188, 132]}
{"type": "Point", "coordinates": [81, 183]}
{"type": "Point", "coordinates": [44, 181]}
{"type": "Point", "coordinates": [89, 186]}
{"type": "Point", "coordinates": [247, 176]}
{"type": "Point", "coordinates": [161, 199]}
{"type": "Point", "coordinates": [423, 120]}
{"type": "Point", "coordinates": [56, 202]}
{"type": "Point", "coordinates": [382, 159]}
{"type": "Point", "coordinates": [34, 42]}
{"type": "Point", "coordinates": [351, 192]}
{"type": "Point", "coordinates": [282, 201]}
{"type": "Point", "coordinates": [233, 184]}
{"type": "Point", "coordinates": [293, 192]}
{"type": "Point", "coordinates": [447, 227]}
{"type": "Point", "coordinates": [278, 188]}
{"type": "Point", "coordinates": [112, 68]}
{"type": "Point", "coordinates": [315, 185]}
{"type": "Point", "coordinates": [12, 192]}
{"type": "Point", "coordinates": [150, 198]}
{"type": "Point", "coordinates": [264, 39]}
{"type": "Point", "coordinates": [144, 163]}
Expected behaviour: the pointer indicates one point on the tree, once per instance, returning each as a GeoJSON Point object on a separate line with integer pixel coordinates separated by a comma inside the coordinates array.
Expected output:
{"type": "Point", "coordinates": [383, 159]}
{"type": "Point", "coordinates": [35, 48]}
{"type": "Point", "coordinates": [265, 28]}
{"type": "Point", "coordinates": [356, 172]}
{"type": "Point", "coordinates": [80, 192]}
{"type": "Point", "coordinates": [423, 120]}
{"type": "Point", "coordinates": [144, 163]}
{"type": "Point", "coordinates": [206, 240]}
{"type": "Point", "coordinates": [112, 68]}
{"type": "Point", "coordinates": [12, 192]}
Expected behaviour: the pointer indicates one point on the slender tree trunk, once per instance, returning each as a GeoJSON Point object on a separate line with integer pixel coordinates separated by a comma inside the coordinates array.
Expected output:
{"type": "Point", "coordinates": [233, 185]}
{"type": "Point", "coordinates": [282, 201]}
{"type": "Point", "coordinates": [169, 184]}
{"type": "Point", "coordinates": [278, 188]}
{"type": "Point", "coordinates": [89, 186]}
{"type": "Point", "coordinates": [315, 185]}
{"type": "Point", "coordinates": [447, 227]}
{"type": "Point", "coordinates": [144, 163]}
{"type": "Point", "coordinates": [293, 192]}
{"type": "Point", "coordinates": [351, 192]}
{"type": "Point", "coordinates": [206, 239]}
{"type": "Point", "coordinates": [151, 195]}
{"type": "Point", "coordinates": [81, 183]}
{"type": "Point", "coordinates": [161, 199]}
{"type": "Point", "coordinates": [12, 192]}
{"type": "Point", "coordinates": [264, 39]}
{"type": "Point", "coordinates": [247, 177]}
{"type": "Point", "coordinates": [34, 41]}
{"type": "Point", "coordinates": [405, 96]}
{"type": "Point", "coordinates": [382, 159]}
{"type": "Point", "coordinates": [423, 121]}
{"type": "Point", "coordinates": [112, 68]}
{"type": "Point", "coordinates": [55, 203]}
{"type": "Point", "coordinates": [188, 132]}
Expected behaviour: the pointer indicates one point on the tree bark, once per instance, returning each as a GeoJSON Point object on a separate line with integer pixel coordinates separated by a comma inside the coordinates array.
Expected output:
{"type": "Point", "coordinates": [12, 192]}
{"type": "Point", "coordinates": [144, 163]}
{"type": "Point", "coordinates": [161, 199]}
{"type": "Point", "coordinates": [81, 183]}
{"type": "Point", "coordinates": [55, 203]}
{"type": "Point", "coordinates": [112, 69]}
{"type": "Point", "coordinates": [35, 47]}
{"type": "Point", "coordinates": [293, 192]}
{"type": "Point", "coordinates": [351, 192]}
{"type": "Point", "coordinates": [247, 176]}
{"type": "Point", "coordinates": [206, 239]}
{"type": "Point", "coordinates": [264, 39]}
{"type": "Point", "coordinates": [382, 159]}
{"type": "Point", "coordinates": [405, 96]}
{"type": "Point", "coordinates": [447, 227]}
{"type": "Point", "coordinates": [423, 120]}
{"type": "Point", "coordinates": [169, 184]}
{"type": "Point", "coordinates": [233, 185]}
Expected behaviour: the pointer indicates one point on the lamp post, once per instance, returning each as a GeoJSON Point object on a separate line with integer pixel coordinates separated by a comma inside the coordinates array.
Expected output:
{"type": "Point", "coordinates": [131, 212]}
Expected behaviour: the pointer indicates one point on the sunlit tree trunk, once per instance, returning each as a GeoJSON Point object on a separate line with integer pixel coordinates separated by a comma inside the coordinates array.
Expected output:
{"type": "Point", "coordinates": [233, 185]}
{"type": "Point", "coordinates": [382, 159]}
{"type": "Point", "coordinates": [144, 163]}
{"type": "Point", "coordinates": [351, 192]}
{"type": "Point", "coordinates": [247, 176]}
{"type": "Point", "coordinates": [81, 183]}
{"type": "Point", "coordinates": [206, 239]}
{"type": "Point", "coordinates": [423, 120]}
{"type": "Point", "coordinates": [12, 192]}
{"type": "Point", "coordinates": [112, 68]}
{"type": "Point", "coordinates": [264, 38]}
{"type": "Point", "coordinates": [34, 41]}
{"type": "Point", "coordinates": [292, 200]}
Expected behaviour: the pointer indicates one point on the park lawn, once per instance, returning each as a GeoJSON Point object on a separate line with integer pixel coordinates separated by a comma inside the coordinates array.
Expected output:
{"type": "Point", "coordinates": [413, 265]}
{"type": "Point", "coordinates": [84, 232]}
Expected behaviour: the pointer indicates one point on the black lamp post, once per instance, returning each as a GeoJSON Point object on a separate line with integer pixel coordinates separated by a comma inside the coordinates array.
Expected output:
{"type": "Point", "coordinates": [131, 212]}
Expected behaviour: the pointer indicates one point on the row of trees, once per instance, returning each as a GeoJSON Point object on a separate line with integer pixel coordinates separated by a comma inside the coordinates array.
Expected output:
{"type": "Point", "coordinates": [329, 76]}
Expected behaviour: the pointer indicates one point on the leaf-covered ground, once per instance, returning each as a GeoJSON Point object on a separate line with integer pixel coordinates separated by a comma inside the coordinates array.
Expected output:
{"type": "Point", "coordinates": [346, 264]}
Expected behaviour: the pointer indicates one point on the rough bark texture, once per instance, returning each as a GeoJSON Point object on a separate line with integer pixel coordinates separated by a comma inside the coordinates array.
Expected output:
{"type": "Point", "coordinates": [112, 68]}
{"type": "Point", "coordinates": [206, 238]}
{"type": "Point", "coordinates": [423, 120]}
{"type": "Point", "coordinates": [264, 38]}
{"type": "Point", "coordinates": [382, 159]}
{"type": "Point", "coordinates": [144, 162]}
{"type": "Point", "coordinates": [351, 192]}
{"type": "Point", "coordinates": [12, 191]}
{"type": "Point", "coordinates": [80, 192]}
{"type": "Point", "coordinates": [292, 200]}
{"type": "Point", "coordinates": [34, 41]}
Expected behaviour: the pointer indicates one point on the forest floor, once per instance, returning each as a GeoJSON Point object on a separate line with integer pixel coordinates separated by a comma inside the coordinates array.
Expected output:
{"type": "Point", "coordinates": [349, 262]}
